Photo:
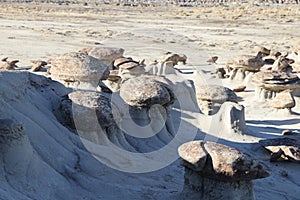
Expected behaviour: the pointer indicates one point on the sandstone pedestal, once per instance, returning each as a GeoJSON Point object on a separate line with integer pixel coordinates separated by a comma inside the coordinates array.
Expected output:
{"type": "Point", "coordinates": [244, 66]}
{"type": "Point", "coordinates": [270, 83]}
{"type": "Point", "coordinates": [107, 55]}
{"type": "Point", "coordinates": [211, 97]}
{"type": "Point", "coordinates": [216, 171]}
{"type": "Point", "coordinates": [78, 70]}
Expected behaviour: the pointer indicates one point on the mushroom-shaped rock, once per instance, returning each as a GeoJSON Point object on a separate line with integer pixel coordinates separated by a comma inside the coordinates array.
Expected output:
{"type": "Point", "coordinates": [145, 91]}
{"type": "Point", "coordinates": [245, 65]}
{"type": "Point", "coordinates": [282, 148]}
{"type": "Point", "coordinates": [269, 83]}
{"type": "Point", "coordinates": [283, 64]}
{"type": "Point", "coordinates": [78, 70]}
{"type": "Point", "coordinates": [216, 171]}
{"type": "Point", "coordinates": [211, 97]}
{"type": "Point", "coordinates": [94, 115]}
{"type": "Point", "coordinates": [90, 112]}
{"type": "Point", "coordinates": [107, 55]}
{"type": "Point", "coordinates": [175, 58]}
{"type": "Point", "coordinates": [7, 66]}
{"type": "Point", "coordinates": [247, 62]}
{"type": "Point", "coordinates": [283, 100]}
{"type": "Point", "coordinates": [145, 109]}
{"type": "Point", "coordinates": [92, 104]}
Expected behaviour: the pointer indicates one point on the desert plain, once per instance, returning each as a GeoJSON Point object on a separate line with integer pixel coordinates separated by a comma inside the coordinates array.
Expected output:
{"type": "Point", "coordinates": [42, 31]}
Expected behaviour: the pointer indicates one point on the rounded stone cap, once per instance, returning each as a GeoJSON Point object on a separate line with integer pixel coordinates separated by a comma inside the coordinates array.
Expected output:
{"type": "Point", "coordinates": [276, 80]}
{"type": "Point", "coordinates": [71, 67]}
{"type": "Point", "coordinates": [194, 154]}
{"type": "Point", "coordinates": [247, 62]}
{"type": "Point", "coordinates": [145, 91]}
{"type": "Point", "coordinates": [105, 54]}
{"type": "Point", "coordinates": [217, 161]}
{"type": "Point", "coordinates": [215, 93]}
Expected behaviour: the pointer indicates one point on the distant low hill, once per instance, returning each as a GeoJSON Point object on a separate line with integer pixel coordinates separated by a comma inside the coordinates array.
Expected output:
{"type": "Point", "coordinates": [149, 2]}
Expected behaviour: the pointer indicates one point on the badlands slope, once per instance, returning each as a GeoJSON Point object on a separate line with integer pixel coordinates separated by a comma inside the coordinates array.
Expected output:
{"type": "Point", "coordinates": [45, 160]}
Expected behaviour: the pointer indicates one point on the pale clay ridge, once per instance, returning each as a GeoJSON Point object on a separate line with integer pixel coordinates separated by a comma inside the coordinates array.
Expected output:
{"type": "Point", "coordinates": [131, 120]}
{"type": "Point", "coordinates": [70, 163]}
{"type": "Point", "coordinates": [113, 135]}
{"type": "Point", "coordinates": [50, 162]}
{"type": "Point", "coordinates": [96, 116]}
{"type": "Point", "coordinates": [231, 115]}
{"type": "Point", "coordinates": [10, 130]}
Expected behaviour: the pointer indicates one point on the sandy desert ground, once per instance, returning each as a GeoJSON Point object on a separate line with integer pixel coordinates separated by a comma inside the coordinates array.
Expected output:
{"type": "Point", "coordinates": [32, 31]}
